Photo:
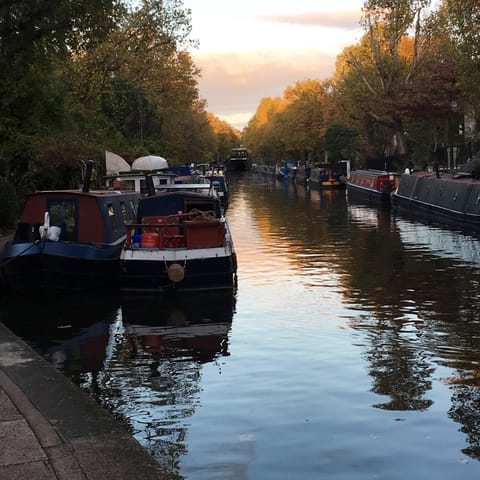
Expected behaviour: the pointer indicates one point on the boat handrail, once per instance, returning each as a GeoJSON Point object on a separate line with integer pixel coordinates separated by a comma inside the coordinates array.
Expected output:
{"type": "Point", "coordinates": [169, 227]}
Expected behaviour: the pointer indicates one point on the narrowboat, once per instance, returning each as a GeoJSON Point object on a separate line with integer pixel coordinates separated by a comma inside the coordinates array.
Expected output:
{"type": "Point", "coordinates": [180, 242]}
{"type": "Point", "coordinates": [238, 159]}
{"type": "Point", "coordinates": [220, 186]}
{"type": "Point", "coordinates": [288, 170]}
{"type": "Point", "coordinates": [68, 240]}
{"type": "Point", "coordinates": [440, 198]}
{"type": "Point", "coordinates": [325, 177]}
{"type": "Point", "coordinates": [372, 186]}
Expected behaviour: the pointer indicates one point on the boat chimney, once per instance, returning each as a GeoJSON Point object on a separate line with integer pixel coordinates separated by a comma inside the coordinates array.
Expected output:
{"type": "Point", "coordinates": [88, 176]}
{"type": "Point", "coordinates": [150, 185]}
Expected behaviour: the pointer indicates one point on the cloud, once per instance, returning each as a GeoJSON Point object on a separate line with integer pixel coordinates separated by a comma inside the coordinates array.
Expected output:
{"type": "Point", "coordinates": [346, 19]}
{"type": "Point", "coordinates": [233, 83]}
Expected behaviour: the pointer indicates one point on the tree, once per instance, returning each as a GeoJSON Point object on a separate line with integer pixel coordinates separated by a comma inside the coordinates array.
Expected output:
{"type": "Point", "coordinates": [227, 137]}
{"type": "Point", "coordinates": [387, 24]}
{"type": "Point", "coordinates": [461, 19]}
{"type": "Point", "coordinates": [35, 38]}
{"type": "Point", "coordinates": [301, 122]}
{"type": "Point", "coordinates": [339, 142]}
{"type": "Point", "coordinates": [260, 136]}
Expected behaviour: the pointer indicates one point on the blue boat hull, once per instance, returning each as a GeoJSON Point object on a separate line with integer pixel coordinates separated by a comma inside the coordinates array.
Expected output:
{"type": "Point", "coordinates": [60, 266]}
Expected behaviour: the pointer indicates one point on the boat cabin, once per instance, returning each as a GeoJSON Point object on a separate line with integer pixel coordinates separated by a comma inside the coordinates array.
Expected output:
{"type": "Point", "coordinates": [378, 180]}
{"type": "Point", "coordinates": [178, 219]}
{"type": "Point", "coordinates": [139, 181]}
{"type": "Point", "coordinates": [97, 216]}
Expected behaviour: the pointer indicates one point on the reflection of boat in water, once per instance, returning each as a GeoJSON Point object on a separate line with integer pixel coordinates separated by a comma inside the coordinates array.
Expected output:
{"type": "Point", "coordinates": [72, 332]}
{"type": "Point", "coordinates": [440, 242]}
{"type": "Point", "coordinates": [195, 326]}
{"type": "Point", "coordinates": [365, 216]}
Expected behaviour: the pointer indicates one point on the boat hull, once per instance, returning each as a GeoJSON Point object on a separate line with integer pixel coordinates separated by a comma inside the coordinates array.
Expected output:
{"type": "Point", "coordinates": [443, 200]}
{"type": "Point", "coordinates": [368, 196]}
{"type": "Point", "coordinates": [162, 271]}
{"type": "Point", "coordinates": [237, 165]}
{"type": "Point", "coordinates": [60, 266]}
{"type": "Point", "coordinates": [373, 187]}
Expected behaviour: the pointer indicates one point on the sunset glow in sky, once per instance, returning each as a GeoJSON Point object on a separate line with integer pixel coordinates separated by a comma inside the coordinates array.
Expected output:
{"type": "Point", "coordinates": [253, 49]}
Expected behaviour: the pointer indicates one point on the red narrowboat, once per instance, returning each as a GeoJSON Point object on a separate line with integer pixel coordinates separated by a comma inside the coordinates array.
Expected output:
{"type": "Point", "coordinates": [372, 186]}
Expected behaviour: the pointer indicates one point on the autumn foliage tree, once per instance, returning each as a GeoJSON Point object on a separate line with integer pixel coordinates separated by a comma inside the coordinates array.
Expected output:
{"type": "Point", "coordinates": [77, 78]}
{"type": "Point", "coordinates": [291, 126]}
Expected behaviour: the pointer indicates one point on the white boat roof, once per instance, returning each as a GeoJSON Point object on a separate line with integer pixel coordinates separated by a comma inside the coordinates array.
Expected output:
{"type": "Point", "coordinates": [186, 186]}
{"type": "Point", "coordinates": [150, 162]}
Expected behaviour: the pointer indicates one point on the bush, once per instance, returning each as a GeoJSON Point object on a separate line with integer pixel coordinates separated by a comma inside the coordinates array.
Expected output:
{"type": "Point", "coordinates": [8, 206]}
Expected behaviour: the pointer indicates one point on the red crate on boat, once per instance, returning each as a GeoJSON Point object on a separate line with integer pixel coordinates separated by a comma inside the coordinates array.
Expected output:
{"type": "Point", "coordinates": [157, 224]}
{"type": "Point", "coordinates": [150, 240]}
{"type": "Point", "coordinates": [204, 234]}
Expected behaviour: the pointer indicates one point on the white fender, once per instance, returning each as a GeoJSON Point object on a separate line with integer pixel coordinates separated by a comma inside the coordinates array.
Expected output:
{"type": "Point", "coordinates": [49, 232]}
{"type": "Point", "coordinates": [43, 229]}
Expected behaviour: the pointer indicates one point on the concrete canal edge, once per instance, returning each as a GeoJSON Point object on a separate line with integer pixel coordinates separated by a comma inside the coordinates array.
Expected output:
{"type": "Point", "coordinates": [51, 429]}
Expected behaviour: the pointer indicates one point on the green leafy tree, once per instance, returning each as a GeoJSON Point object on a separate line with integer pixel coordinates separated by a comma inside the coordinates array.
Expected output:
{"type": "Point", "coordinates": [339, 142]}
{"type": "Point", "coordinates": [301, 123]}
{"type": "Point", "coordinates": [461, 19]}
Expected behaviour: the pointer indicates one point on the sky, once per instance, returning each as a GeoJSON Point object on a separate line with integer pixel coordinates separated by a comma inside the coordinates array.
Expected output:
{"type": "Point", "coordinates": [252, 49]}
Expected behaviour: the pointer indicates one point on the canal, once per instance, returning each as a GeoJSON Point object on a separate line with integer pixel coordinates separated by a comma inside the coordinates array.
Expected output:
{"type": "Point", "coordinates": [350, 351]}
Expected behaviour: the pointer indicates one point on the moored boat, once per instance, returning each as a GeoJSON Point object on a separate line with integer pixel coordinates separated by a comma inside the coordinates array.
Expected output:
{"type": "Point", "coordinates": [238, 159]}
{"type": "Point", "coordinates": [68, 240]}
{"type": "Point", "coordinates": [442, 198]}
{"type": "Point", "coordinates": [288, 170]}
{"type": "Point", "coordinates": [180, 242]}
{"type": "Point", "coordinates": [220, 185]}
{"type": "Point", "coordinates": [372, 186]}
{"type": "Point", "coordinates": [325, 177]}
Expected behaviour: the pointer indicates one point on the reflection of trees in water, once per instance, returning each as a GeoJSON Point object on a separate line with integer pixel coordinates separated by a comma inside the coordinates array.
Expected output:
{"type": "Point", "coordinates": [424, 311]}
{"type": "Point", "coordinates": [461, 353]}
{"type": "Point", "coordinates": [466, 411]}
{"type": "Point", "coordinates": [399, 370]}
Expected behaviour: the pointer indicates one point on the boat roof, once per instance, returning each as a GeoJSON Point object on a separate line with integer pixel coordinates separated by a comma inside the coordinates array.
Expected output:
{"type": "Point", "coordinates": [150, 162]}
{"type": "Point", "coordinates": [80, 192]}
{"type": "Point", "coordinates": [168, 202]}
{"type": "Point", "coordinates": [376, 173]}
{"type": "Point", "coordinates": [186, 186]}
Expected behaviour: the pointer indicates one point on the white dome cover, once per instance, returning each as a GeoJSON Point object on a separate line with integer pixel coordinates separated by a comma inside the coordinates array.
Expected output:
{"type": "Point", "coordinates": [150, 162]}
{"type": "Point", "coordinates": [115, 163]}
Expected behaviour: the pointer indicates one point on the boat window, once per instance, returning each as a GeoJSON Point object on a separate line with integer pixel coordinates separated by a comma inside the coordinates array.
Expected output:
{"type": "Point", "coordinates": [126, 213]}
{"type": "Point", "coordinates": [128, 185]}
{"type": "Point", "coordinates": [199, 205]}
{"type": "Point", "coordinates": [111, 215]}
{"type": "Point", "coordinates": [63, 214]}
{"type": "Point", "coordinates": [133, 208]}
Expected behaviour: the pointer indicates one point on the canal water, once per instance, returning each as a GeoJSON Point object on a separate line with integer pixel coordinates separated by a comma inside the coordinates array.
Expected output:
{"type": "Point", "coordinates": [350, 351]}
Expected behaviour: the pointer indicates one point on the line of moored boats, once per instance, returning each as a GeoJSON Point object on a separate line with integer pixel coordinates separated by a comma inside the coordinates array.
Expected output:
{"type": "Point", "coordinates": [150, 230]}
{"type": "Point", "coordinates": [155, 230]}
{"type": "Point", "coordinates": [451, 199]}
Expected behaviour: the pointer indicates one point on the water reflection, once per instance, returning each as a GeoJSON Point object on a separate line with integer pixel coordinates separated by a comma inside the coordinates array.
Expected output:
{"type": "Point", "coordinates": [154, 375]}
{"type": "Point", "coordinates": [419, 287]}
{"type": "Point", "coordinates": [351, 350]}
{"type": "Point", "coordinates": [139, 357]}
{"type": "Point", "coordinates": [196, 327]}
{"type": "Point", "coordinates": [71, 331]}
